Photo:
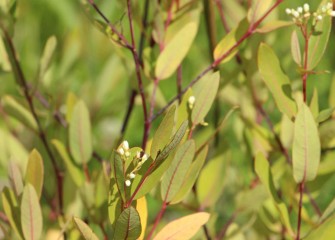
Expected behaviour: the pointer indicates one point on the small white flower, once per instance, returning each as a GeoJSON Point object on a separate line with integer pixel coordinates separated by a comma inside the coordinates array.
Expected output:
{"type": "Point", "coordinates": [125, 145]}
{"type": "Point", "coordinates": [299, 9]}
{"type": "Point", "coordinates": [332, 14]}
{"type": "Point", "coordinates": [120, 151]}
{"type": "Point", "coordinates": [295, 14]}
{"type": "Point", "coordinates": [191, 100]}
{"type": "Point", "coordinates": [128, 183]}
{"type": "Point", "coordinates": [324, 9]}
{"type": "Point", "coordinates": [319, 17]}
{"type": "Point", "coordinates": [306, 7]}
{"type": "Point", "coordinates": [132, 175]}
{"type": "Point", "coordinates": [288, 11]}
{"type": "Point", "coordinates": [145, 157]}
{"type": "Point", "coordinates": [127, 154]}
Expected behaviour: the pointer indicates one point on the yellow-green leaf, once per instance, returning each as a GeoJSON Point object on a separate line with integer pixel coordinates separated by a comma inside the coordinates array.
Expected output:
{"type": "Point", "coordinates": [80, 134]}
{"type": "Point", "coordinates": [183, 228]}
{"type": "Point", "coordinates": [128, 225]}
{"type": "Point", "coordinates": [85, 230]}
{"type": "Point", "coordinates": [272, 26]}
{"type": "Point", "coordinates": [35, 172]}
{"type": "Point", "coordinates": [306, 146]}
{"type": "Point", "coordinates": [46, 58]}
{"type": "Point", "coordinates": [295, 48]}
{"type": "Point", "coordinates": [174, 53]}
{"type": "Point", "coordinates": [275, 79]}
{"type": "Point", "coordinates": [15, 178]}
{"type": "Point", "coordinates": [142, 208]}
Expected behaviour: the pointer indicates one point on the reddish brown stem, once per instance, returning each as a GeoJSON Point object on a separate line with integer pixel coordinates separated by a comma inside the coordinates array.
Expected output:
{"type": "Point", "coordinates": [158, 218]}
{"type": "Point", "coordinates": [301, 191]}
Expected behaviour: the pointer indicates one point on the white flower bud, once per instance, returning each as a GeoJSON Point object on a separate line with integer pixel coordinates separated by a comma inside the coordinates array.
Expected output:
{"type": "Point", "coordinates": [191, 101]}
{"type": "Point", "coordinates": [132, 175]}
{"type": "Point", "coordinates": [330, 5]}
{"type": "Point", "coordinates": [299, 10]}
{"type": "Point", "coordinates": [120, 151]}
{"type": "Point", "coordinates": [332, 14]}
{"type": "Point", "coordinates": [145, 157]}
{"type": "Point", "coordinates": [324, 9]}
{"type": "Point", "coordinates": [127, 154]}
{"type": "Point", "coordinates": [306, 7]}
{"type": "Point", "coordinates": [288, 11]}
{"type": "Point", "coordinates": [125, 145]}
{"type": "Point", "coordinates": [295, 13]}
{"type": "Point", "coordinates": [128, 183]}
{"type": "Point", "coordinates": [319, 17]}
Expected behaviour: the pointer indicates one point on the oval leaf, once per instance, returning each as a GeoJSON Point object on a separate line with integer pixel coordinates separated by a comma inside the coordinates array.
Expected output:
{"type": "Point", "coordinates": [15, 178]}
{"type": "Point", "coordinates": [85, 230]}
{"type": "Point", "coordinates": [128, 225]}
{"type": "Point", "coordinates": [175, 174]}
{"type": "Point", "coordinates": [295, 48]}
{"type": "Point", "coordinates": [183, 228]}
{"type": "Point", "coordinates": [275, 79]}
{"type": "Point", "coordinates": [80, 134]}
{"type": "Point", "coordinates": [31, 214]}
{"type": "Point", "coordinates": [176, 50]}
{"type": "Point", "coordinates": [35, 172]}
{"type": "Point", "coordinates": [306, 146]}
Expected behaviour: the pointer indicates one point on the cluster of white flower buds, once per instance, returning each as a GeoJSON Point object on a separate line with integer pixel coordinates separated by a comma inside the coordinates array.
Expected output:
{"type": "Point", "coordinates": [123, 149]}
{"type": "Point", "coordinates": [302, 14]}
{"type": "Point", "coordinates": [191, 101]}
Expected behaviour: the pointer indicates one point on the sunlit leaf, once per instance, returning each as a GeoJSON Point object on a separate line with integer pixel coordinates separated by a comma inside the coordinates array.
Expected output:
{"type": "Point", "coordinates": [85, 230]}
{"type": "Point", "coordinates": [328, 212]}
{"type": "Point", "coordinates": [35, 172]}
{"type": "Point", "coordinates": [325, 114]}
{"type": "Point", "coordinates": [272, 26]}
{"type": "Point", "coordinates": [314, 104]}
{"type": "Point", "coordinates": [142, 208]}
{"type": "Point", "coordinates": [80, 134]}
{"type": "Point", "coordinates": [324, 231]}
{"type": "Point", "coordinates": [257, 9]}
{"type": "Point", "coordinates": [306, 146]}
{"type": "Point", "coordinates": [31, 214]}
{"type": "Point", "coordinates": [128, 225]}
{"type": "Point", "coordinates": [275, 79]}
{"type": "Point", "coordinates": [295, 48]}
{"type": "Point", "coordinates": [46, 58]}
{"type": "Point", "coordinates": [183, 228]}
{"type": "Point", "coordinates": [15, 178]}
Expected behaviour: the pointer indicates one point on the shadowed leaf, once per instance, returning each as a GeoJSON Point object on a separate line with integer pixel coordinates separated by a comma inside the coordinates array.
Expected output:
{"type": "Point", "coordinates": [128, 225]}
{"type": "Point", "coordinates": [35, 172]}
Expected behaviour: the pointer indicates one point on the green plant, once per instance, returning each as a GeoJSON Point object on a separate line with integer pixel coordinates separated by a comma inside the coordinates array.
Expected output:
{"type": "Point", "coordinates": [242, 151]}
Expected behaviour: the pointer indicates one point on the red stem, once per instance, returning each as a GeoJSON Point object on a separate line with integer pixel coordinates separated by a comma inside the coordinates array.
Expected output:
{"type": "Point", "coordinates": [301, 190]}
{"type": "Point", "coordinates": [158, 218]}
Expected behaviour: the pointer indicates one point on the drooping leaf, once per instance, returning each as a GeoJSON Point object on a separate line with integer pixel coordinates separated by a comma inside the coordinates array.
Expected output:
{"type": "Point", "coordinates": [306, 146]}
{"type": "Point", "coordinates": [163, 133]}
{"type": "Point", "coordinates": [275, 79]}
{"type": "Point", "coordinates": [183, 228]}
{"type": "Point", "coordinates": [295, 48]}
{"type": "Point", "coordinates": [175, 174]}
{"type": "Point", "coordinates": [172, 55]}
{"type": "Point", "coordinates": [205, 96]}
{"type": "Point", "coordinates": [12, 211]}
{"type": "Point", "coordinates": [80, 134]}
{"type": "Point", "coordinates": [46, 58]}
{"type": "Point", "coordinates": [325, 114]}
{"type": "Point", "coordinates": [128, 225]}
{"type": "Point", "coordinates": [15, 178]}
{"type": "Point", "coordinates": [75, 173]}
{"type": "Point", "coordinates": [118, 174]}
{"type": "Point", "coordinates": [318, 43]}
{"type": "Point", "coordinates": [84, 229]}
{"type": "Point", "coordinates": [272, 26]}
{"type": "Point", "coordinates": [142, 209]}
{"type": "Point", "coordinates": [191, 176]}
{"type": "Point", "coordinates": [16, 110]}
{"type": "Point", "coordinates": [262, 168]}
{"type": "Point", "coordinates": [211, 181]}
{"type": "Point", "coordinates": [31, 214]}
{"type": "Point", "coordinates": [35, 172]}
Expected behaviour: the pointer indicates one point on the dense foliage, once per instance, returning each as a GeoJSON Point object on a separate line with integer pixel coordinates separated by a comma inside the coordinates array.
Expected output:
{"type": "Point", "coordinates": [167, 119]}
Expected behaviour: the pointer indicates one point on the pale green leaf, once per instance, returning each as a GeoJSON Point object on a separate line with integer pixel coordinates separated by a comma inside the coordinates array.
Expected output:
{"type": "Point", "coordinates": [84, 229]}
{"type": "Point", "coordinates": [275, 79]}
{"type": "Point", "coordinates": [46, 58]}
{"type": "Point", "coordinates": [163, 133]}
{"type": "Point", "coordinates": [118, 174]}
{"type": "Point", "coordinates": [314, 104]}
{"type": "Point", "coordinates": [324, 231]}
{"type": "Point", "coordinates": [257, 9]}
{"type": "Point", "coordinates": [128, 225]}
{"type": "Point", "coordinates": [207, 89]}
{"type": "Point", "coordinates": [325, 114]}
{"type": "Point", "coordinates": [306, 146]}
{"type": "Point", "coordinates": [272, 26]}
{"type": "Point", "coordinates": [174, 176]}
{"type": "Point", "coordinates": [31, 214]}
{"type": "Point", "coordinates": [174, 53]}
{"type": "Point", "coordinates": [295, 48]}
{"type": "Point", "coordinates": [328, 212]}
{"type": "Point", "coordinates": [80, 134]}
{"type": "Point", "coordinates": [35, 172]}
{"type": "Point", "coordinates": [183, 228]}
{"type": "Point", "coordinates": [15, 178]}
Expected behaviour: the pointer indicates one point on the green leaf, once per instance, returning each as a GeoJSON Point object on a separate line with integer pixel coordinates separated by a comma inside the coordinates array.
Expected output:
{"type": "Point", "coordinates": [128, 225]}
{"type": "Point", "coordinates": [207, 89]}
{"type": "Point", "coordinates": [12, 211]}
{"type": "Point", "coordinates": [275, 79]}
{"type": "Point", "coordinates": [328, 212]}
{"type": "Point", "coordinates": [327, 134]}
{"type": "Point", "coordinates": [191, 176]}
{"type": "Point", "coordinates": [174, 176]}
{"type": "Point", "coordinates": [211, 181]}
{"type": "Point", "coordinates": [15, 178]}
{"type": "Point", "coordinates": [75, 173]}
{"type": "Point", "coordinates": [262, 168]}
{"type": "Point", "coordinates": [318, 43]}
{"type": "Point", "coordinates": [183, 228]}
{"type": "Point", "coordinates": [324, 231]}
{"type": "Point", "coordinates": [314, 104]}
{"type": "Point", "coordinates": [46, 58]}
{"type": "Point", "coordinates": [85, 230]}
{"type": "Point", "coordinates": [16, 110]}
{"type": "Point", "coordinates": [35, 172]}
{"type": "Point", "coordinates": [295, 48]}
{"type": "Point", "coordinates": [306, 146]}
{"type": "Point", "coordinates": [272, 26]}
{"type": "Point", "coordinates": [31, 214]}
{"type": "Point", "coordinates": [80, 134]}
{"type": "Point", "coordinates": [325, 114]}
{"type": "Point", "coordinates": [118, 174]}
{"type": "Point", "coordinates": [173, 54]}
{"type": "Point", "coordinates": [163, 133]}
{"type": "Point", "coordinates": [258, 9]}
